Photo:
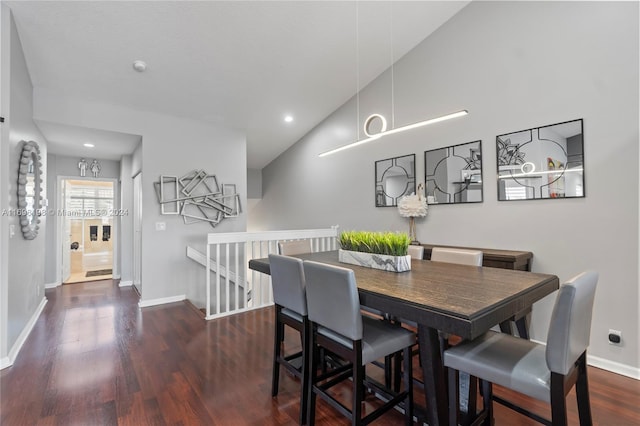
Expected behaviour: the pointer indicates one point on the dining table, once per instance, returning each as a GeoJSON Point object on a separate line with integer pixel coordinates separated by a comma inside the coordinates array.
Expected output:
{"type": "Point", "coordinates": [441, 297]}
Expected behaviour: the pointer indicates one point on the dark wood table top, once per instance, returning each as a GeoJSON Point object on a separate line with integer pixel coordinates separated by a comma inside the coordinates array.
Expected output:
{"type": "Point", "coordinates": [460, 299]}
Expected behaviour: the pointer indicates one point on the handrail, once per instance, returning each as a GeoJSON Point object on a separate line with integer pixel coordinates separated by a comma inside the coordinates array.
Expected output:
{"type": "Point", "coordinates": [227, 259]}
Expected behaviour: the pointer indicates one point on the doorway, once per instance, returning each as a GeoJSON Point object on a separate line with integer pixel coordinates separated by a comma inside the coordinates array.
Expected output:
{"type": "Point", "coordinates": [88, 229]}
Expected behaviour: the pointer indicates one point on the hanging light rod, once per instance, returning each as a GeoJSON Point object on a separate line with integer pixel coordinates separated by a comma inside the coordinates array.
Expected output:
{"type": "Point", "coordinates": [385, 132]}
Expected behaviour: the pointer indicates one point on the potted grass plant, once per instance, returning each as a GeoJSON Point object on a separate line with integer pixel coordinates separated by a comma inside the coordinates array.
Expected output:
{"type": "Point", "coordinates": [379, 250]}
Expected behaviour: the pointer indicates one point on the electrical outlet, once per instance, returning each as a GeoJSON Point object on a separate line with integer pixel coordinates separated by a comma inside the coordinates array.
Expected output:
{"type": "Point", "coordinates": [615, 337]}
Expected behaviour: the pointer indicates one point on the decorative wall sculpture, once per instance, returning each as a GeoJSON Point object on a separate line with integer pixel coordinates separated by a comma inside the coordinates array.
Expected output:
{"type": "Point", "coordinates": [543, 162]}
{"type": "Point", "coordinates": [197, 197]}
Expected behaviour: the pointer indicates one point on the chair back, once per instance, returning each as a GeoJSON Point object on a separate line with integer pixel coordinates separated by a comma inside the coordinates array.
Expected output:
{"type": "Point", "coordinates": [416, 252]}
{"type": "Point", "coordinates": [289, 248]}
{"type": "Point", "coordinates": [570, 326]}
{"type": "Point", "coordinates": [288, 282]}
{"type": "Point", "coordinates": [332, 299]}
{"type": "Point", "coordinates": [455, 255]}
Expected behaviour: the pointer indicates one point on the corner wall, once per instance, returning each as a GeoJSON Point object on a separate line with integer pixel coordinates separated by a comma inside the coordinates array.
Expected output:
{"type": "Point", "coordinates": [171, 146]}
{"type": "Point", "coordinates": [23, 291]}
{"type": "Point", "coordinates": [513, 65]}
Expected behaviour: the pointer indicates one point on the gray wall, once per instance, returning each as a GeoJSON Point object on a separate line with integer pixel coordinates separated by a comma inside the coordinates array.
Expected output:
{"type": "Point", "coordinates": [24, 286]}
{"type": "Point", "coordinates": [513, 65]}
{"type": "Point", "coordinates": [171, 146]}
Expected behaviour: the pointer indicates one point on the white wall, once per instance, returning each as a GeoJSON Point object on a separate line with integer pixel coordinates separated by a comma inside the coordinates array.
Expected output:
{"type": "Point", "coordinates": [23, 290]}
{"type": "Point", "coordinates": [171, 146]}
{"type": "Point", "coordinates": [513, 65]}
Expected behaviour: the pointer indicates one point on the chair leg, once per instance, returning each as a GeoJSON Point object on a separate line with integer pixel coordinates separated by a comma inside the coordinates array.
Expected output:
{"type": "Point", "coordinates": [313, 375]}
{"type": "Point", "coordinates": [358, 393]}
{"type": "Point", "coordinates": [487, 403]}
{"type": "Point", "coordinates": [582, 392]}
{"type": "Point", "coordinates": [453, 396]}
{"type": "Point", "coordinates": [471, 395]}
{"type": "Point", "coordinates": [277, 348]}
{"type": "Point", "coordinates": [558, 400]}
{"type": "Point", "coordinates": [397, 371]}
{"type": "Point", "coordinates": [306, 358]}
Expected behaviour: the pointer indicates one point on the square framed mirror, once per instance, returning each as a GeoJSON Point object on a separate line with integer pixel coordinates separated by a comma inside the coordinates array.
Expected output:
{"type": "Point", "coordinates": [541, 163]}
{"type": "Point", "coordinates": [395, 178]}
{"type": "Point", "coordinates": [453, 174]}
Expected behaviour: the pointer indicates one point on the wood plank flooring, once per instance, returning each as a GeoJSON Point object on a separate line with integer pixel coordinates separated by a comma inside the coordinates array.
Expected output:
{"type": "Point", "coordinates": [95, 358]}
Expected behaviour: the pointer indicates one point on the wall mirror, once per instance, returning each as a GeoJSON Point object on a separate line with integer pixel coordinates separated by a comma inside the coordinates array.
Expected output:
{"type": "Point", "coordinates": [395, 178]}
{"type": "Point", "coordinates": [540, 163]}
{"type": "Point", "coordinates": [29, 188]}
{"type": "Point", "coordinates": [453, 174]}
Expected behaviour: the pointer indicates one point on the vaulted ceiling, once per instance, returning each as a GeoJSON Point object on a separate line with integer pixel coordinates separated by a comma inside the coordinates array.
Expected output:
{"type": "Point", "coordinates": [240, 64]}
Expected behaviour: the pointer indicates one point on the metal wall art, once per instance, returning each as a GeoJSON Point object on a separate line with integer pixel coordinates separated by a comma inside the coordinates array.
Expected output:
{"type": "Point", "coordinates": [540, 163]}
{"type": "Point", "coordinates": [197, 197]}
{"type": "Point", "coordinates": [453, 174]}
{"type": "Point", "coordinates": [395, 178]}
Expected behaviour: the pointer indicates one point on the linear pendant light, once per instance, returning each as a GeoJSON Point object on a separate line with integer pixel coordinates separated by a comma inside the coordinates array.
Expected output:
{"type": "Point", "coordinates": [392, 131]}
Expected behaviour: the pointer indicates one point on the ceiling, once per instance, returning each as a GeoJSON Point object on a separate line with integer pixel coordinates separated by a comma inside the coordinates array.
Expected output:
{"type": "Point", "coordinates": [239, 64]}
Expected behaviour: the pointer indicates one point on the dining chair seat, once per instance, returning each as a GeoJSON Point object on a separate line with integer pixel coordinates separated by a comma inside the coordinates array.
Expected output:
{"type": "Point", "coordinates": [545, 372]}
{"type": "Point", "coordinates": [338, 325]}
{"type": "Point", "coordinates": [289, 296]}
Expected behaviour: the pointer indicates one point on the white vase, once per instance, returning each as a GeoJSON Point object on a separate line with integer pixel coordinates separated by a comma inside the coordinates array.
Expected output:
{"type": "Point", "coordinates": [376, 261]}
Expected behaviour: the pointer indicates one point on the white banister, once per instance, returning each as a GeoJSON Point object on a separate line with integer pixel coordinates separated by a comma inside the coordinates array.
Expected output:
{"type": "Point", "coordinates": [227, 259]}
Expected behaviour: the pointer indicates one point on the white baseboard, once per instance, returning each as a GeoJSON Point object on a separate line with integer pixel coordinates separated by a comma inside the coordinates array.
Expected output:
{"type": "Point", "coordinates": [53, 285]}
{"type": "Point", "coordinates": [614, 367]}
{"type": "Point", "coordinates": [5, 362]}
{"type": "Point", "coordinates": [161, 301]}
{"type": "Point", "coordinates": [115, 277]}
{"type": "Point", "coordinates": [13, 353]}
{"type": "Point", "coordinates": [125, 284]}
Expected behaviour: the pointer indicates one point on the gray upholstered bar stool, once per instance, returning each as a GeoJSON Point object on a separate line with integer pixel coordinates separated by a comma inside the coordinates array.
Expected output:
{"type": "Point", "coordinates": [290, 248]}
{"type": "Point", "coordinates": [288, 283]}
{"type": "Point", "coordinates": [546, 373]}
{"type": "Point", "coordinates": [338, 326]}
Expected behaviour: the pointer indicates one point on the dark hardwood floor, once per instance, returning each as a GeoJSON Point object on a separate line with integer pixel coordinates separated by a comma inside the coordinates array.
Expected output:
{"type": "Point", "coordinates": [95, 358]}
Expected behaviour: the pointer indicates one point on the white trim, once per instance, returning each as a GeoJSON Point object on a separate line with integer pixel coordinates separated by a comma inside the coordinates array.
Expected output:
{"type": "Point", "coordinates": [115, 277]}
{"type": "Point", "coordinates": [236, 311]}
{"type": "Point", "coordinates": [53, 285]}
{"type": "Point", "coordinates": [5, 362]}
{"type": "Point", "coordinates": [125, 284]}
{"type": "Point", "coordinates": [161, 301]}
{"type": "Point", "coordinates": [614, 367]}
{"type": "Point", "coordinates": [13, 353]}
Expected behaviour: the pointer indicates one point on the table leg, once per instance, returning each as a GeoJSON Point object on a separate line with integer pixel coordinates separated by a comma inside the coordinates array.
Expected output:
{"type": "Point", "coordinates": [435, 389]}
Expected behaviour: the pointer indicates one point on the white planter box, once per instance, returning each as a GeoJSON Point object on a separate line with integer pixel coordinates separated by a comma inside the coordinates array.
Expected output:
{"type": "Point", "coordinates": [376, 261]}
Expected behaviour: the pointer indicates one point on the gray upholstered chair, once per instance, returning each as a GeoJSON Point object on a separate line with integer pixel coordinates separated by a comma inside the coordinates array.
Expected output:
{"type": "Point", "coordinates": [290, 248]}
{"type": "Point", "coordinates": [454, 255]}
{"type": "Point", "coordinates": [288, 283]}
{"type": "Point", "coordinates": [416, 252]}
{"type": "Point", "coordinates": [338, 326]}
{"type": "Point", "coordinates": [543, 372]}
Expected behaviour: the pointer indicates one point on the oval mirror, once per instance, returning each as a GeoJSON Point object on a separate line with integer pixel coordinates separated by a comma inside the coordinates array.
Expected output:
{"type": "Point", "coordinates": [29, 189]}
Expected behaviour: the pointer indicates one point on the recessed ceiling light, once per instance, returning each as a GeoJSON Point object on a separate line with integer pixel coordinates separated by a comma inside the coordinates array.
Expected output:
{"type": "Point", "coordinates": [288, 118]}
{"type": "Point", "coordinates": [139, 66]}
{"type": "Point", "coordinates": [89, 145]}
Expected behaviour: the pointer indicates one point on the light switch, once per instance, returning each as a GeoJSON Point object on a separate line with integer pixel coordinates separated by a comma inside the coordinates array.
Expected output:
{"type": "Point", "coordinates": [12, 231]}
{"type": "Point", "coordinates": [161, 226]}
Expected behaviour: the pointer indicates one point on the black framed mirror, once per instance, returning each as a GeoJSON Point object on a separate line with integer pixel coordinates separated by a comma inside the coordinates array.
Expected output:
{"type": "Point", "coordinates": [395, 178]}
{"type": "Point", "coordinates": [29, 189]}
{"type": "Point", "coordinates": [541, 163]}
{"type": "Point", "coordinates": [453, 174]}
